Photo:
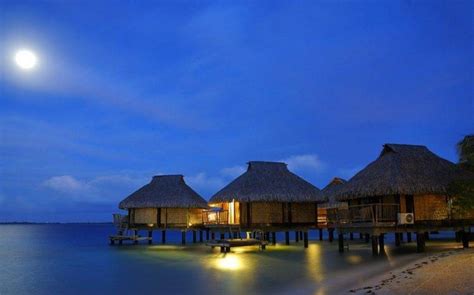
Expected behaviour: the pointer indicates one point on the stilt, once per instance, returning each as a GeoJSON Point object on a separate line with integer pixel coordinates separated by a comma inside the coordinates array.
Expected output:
{"type": "Point", "coordinates": [331, 235]}
{"type": "Point", "coordinates": [400, 236]}
{"type": "Point", "coordinates": [227, 249]}
{"type": "Point", "coordinates": [427, 236]}
{"type": "Point", "coordinates": [163, 236]}
{"type": "Point", "coordinates": [301, 234]}
{"type": "Point", "coordinates": [150, 237]}
{"type": "Point", "coordinates": [207, 234]}
{"type": "Point", "coordinates": [465, 239]}
{"type": "Point", "coordinates": [397, 239]}
{"type": "Point", "coordinates": [229, 235]}
{"type": "Point", "coordinates": [287, 238]}
{"type": "Point", "coordinates": [458, 236]}
{"type": "Point", "coordinates": [408, 237]}
{"type": "Point", "coordinates": [375, 244]}
{"type": "Point", "coordinates": [222, 236]}
{"type": "Point", "coordinates": [135, 233]}
{"type": "Point", "coordinates": [235, 235]}
{"type": "Point", "coordinates": [183, 237]}
{"type": "Point", "coordinates": [341, 242]}
{"type": "Point", "coordinates": [361, 236]}
{"type": "Point", "coordinates": [351, 236]}
{"type": "Point", "coordinates": [367, 238]}
{"type": "Point", "coordinates": [382, 243]}
{"type": "Point", "coordinates": [305, 239]}
{"type": "Point", "coordinates": [222, 249]}
{"type": "Point", "coordinates": [263, 247]}
{"type": "Point", "coordinates": [420, 242]}
{"type": "Point", "coordinates": [297, 236]}
{"type": "Point", "coordinates": [320, 234]}
{"type": "Point", "coordinates": [194, 236]}
{"type": "Point", "coordinates": [200, 236]}
{"type": "Point", "coordinates": [213, 236]}
{"type": "Point", "coordinates": [274, 238]}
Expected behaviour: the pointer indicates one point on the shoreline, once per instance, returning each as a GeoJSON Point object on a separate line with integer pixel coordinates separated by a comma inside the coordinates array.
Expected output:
{"type": "Point", "coordinates": [446, 272]}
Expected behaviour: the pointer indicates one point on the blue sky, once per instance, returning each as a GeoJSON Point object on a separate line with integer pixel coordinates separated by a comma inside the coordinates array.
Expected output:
{"type": "Point", "coordinates": [124, 91]}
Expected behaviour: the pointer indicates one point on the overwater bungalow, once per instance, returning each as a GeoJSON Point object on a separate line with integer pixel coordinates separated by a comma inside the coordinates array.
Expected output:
{"type": "Point", "coordinates": [327, 211]}
{"type": "Point", "coordinates": [267, 197]}
{"type": "Point", "coordinates": [167, 202]}
{"type": "Point", "coordinates": [404, 190]}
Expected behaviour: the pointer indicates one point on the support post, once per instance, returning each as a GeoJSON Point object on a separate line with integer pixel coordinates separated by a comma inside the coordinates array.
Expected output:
{"type": "Point", "coordinates": [320, 234]}
{"type": "Point", "coordinates": [207, 234]}
{"type": "Point", "coordinates": [420, 242]}
{"type": "Point", "coordinates": [361, 236]}
{"type": "Point", "coordinates": [301, 234]}
{"type": "Point", "coordinates": [213, 236]}
{"type": "Point", "coordinates": [183, 237]}
{"type": "Point", "coordinates": [375, 244]}
{"type": "Point", "coordinates": [331, 235]}
{"type": "Point", "coordinates": [222, 236]}
{"type": "Point", "coordinates": [305, 239]}
{"type": "Point", "coordinates": [351, 236]}
{"type": "Point", "coordinates": [297, 236]}
{"type": "Point", "coordinates": [194, 236]}
{"type": "Point", "coordinates": [200, 236]}
{"type": "Point", "coordinates": [341, 242]}
{"type": "Point", "coordinates": [273, 238]}
{"type": "Point", "coordinates": [465, 239]}
{"type": "Point", "coordinates": [427, 236]}
{"type": "Point", "coordinates": [150, 237]}
{"type": "Point", "coordinates": [367, 238]}
{"type": "Point", "coordinates": [382, 243]}
{"type": "Point", "coordinates": [397, 239]}
{"type": "Point", "coordinates": [222, 249]}
{"type": "Point", "coordinates": [408, 237]}
{"type": "Point", "coordinates": [163, 236]}
{"type": "Point", "coordinates": [458, 236]}
{"type": "Point", "coordinates": [287, 238]}
{"type": "Point", "coordinates": [135, 233]}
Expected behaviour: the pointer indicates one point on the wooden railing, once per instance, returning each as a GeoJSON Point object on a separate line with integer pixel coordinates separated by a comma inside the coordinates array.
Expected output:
{"type": "Point", "coordinates": [215, 217]}
{"type": "Point", "coordinates": [367, 213]}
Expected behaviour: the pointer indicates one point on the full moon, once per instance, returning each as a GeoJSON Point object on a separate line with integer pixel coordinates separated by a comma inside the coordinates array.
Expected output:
{"type": "Point", "coordinates": [26, 59]}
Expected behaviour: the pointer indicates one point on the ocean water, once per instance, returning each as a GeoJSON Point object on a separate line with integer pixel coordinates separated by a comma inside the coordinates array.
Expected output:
{"type": "Point", "coordinates": [77, 259]}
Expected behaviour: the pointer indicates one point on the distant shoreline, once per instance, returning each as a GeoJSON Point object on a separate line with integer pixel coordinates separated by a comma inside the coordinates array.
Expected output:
{"type": "Point", "coordinates": [26, 222]}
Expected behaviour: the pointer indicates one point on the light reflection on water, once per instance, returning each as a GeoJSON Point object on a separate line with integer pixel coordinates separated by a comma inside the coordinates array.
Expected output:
{"type": "Point", "coordinates": [38, 259]}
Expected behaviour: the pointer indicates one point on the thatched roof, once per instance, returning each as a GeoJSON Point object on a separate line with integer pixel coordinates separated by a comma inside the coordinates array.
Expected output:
{"type": "Point", "coordinates": [330, 190]}
{"type": "Point", "coordinates": [164, 191]}
{"type": "Point", "coordinates": [402, 169]}
{"type": "Point", "coordinates": [268, 182]}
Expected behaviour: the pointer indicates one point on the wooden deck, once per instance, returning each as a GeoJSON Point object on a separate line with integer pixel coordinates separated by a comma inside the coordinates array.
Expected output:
{"type": "Point", "coordinates": [226, 244]}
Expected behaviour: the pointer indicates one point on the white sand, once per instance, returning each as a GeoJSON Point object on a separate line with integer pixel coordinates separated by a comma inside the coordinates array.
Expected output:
{"type": "Point", "coordinates": [449, 272]}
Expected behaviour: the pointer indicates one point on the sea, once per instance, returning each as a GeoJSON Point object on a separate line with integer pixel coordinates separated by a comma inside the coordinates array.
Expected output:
{"type": "Point", "coordinates": [78, 259]}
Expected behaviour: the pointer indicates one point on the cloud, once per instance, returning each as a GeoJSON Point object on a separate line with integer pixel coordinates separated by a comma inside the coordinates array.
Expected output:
{"type": "Point", "coordinates": [203, 182]}
{"type": "Point", "coordinates": [305, 162]}
{"type": "Point", "coordinates": [347, 173]}
{"type": "Point", "coordinates": [233, 172]}
{"type": "Point", "coordinates": [66, 184]}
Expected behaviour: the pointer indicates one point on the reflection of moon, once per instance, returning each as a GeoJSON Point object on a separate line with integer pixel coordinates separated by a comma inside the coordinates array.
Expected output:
{"type": "Point", "coordinates": [26, 59]}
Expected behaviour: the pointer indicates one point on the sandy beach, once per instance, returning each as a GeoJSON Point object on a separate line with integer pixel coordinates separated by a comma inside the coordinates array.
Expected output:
{"type": "Point", "coordinates": [448, 272]}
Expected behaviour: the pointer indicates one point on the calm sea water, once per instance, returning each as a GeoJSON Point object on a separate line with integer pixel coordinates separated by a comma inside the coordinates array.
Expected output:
{"type": "Point", "coordinates": [76, 259]}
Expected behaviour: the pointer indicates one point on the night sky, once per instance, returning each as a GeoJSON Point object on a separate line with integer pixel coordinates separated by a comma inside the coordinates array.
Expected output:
{"type": "Point", "coordinates": [127, 90]}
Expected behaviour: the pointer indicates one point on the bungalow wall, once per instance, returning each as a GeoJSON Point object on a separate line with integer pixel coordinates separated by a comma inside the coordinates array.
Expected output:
{"type": "Point", "coordinates": [431, 207]}
{"type": "Point", "coordinates": [166, 216]}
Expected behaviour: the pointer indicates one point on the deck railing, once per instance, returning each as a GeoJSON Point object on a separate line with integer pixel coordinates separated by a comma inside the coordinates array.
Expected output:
{"type": "Point", "coordinates": [367, 213]}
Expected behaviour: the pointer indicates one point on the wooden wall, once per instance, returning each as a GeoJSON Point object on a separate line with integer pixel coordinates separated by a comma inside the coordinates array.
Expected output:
{"type": "Point", "coordinates": [431, 207]}
{"type": "Point", "coordinates": [145, 215]}
{"type": "Point", "coordinates": [303, 212]}
{"type": "Point", "coordinates": [178, 216]}
{"type": "Point", "coordinates": [266, 212]}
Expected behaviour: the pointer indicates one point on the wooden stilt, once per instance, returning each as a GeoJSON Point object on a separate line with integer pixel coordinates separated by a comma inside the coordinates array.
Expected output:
{"type": "Point", "coordinates": [229, 235]}
{"type": "Point", "coordinates": [213, 236]}
{"type": "Point", "coordinates": [183, 237]}
{"type": "Point", "coordinates": [400, 236]}
{"type": "Point", "coordinates": [222, 236]}
{"type": "Point", "coordinates": [375, 244]}
{"type": "Point", "coordinates": [207, 234]}
{"type": "Point", "coordinates": [222, 249]}
{"type": "Point", "coordinates": [361, 236]}
{"type": "Point", "coordinates": [150, 237]}
{"type": "Point", "coordinates": [397, 239]}
{"type": "Point", "coordinates": [297, 236]}
{"type": "Point", "coordinates": [381, 243]}
{"type": "Point", "coordinates": [200, 236]}
{"type": "Point", "coordinates": [236, 234]}
{"type": "Point", "coordinates": [301, 234]}
{"type": "Point", "coordinates": [341, 242]}
{"type": "Point", "coordinates": [274, 238]}
{"type": "Point", "coordinates": [458, 236]}
{"type": "Point", "coordinates": [287, 238]}
{"type": "Point", "coordinates": [420, 242]}
{"type": "Point", "coordinates": [331, 235]}
{"type": "Point", "coordinates": [163, 236]}
{"type": "Point", "coordinates": [135, 233]}
{"type": "Point", "coordinates": [408, 237]}
{"type": "Point", "coordinates": [465, 239]}
{"type": "Point", "coordinates": [320, 234]}
{"type": "Point", "coordinates": [305, 239]}
{"type": "Point", "coordinates": [351, 236]}
{"type": "Point", "coordinates": [367, 238]}
{"type": "Point", "coordinates": [427, 236]}
{"type": "Point", "coordinates": [194, 236]}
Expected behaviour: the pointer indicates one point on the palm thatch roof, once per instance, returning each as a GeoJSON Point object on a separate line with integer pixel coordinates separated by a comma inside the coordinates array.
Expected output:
{"type": "Point", "coordinates": [330, 190]}
{"type": "Point", "coordinates": [402, 169]}
{"type": "Point", "coordinates": [268, 182]}
{"type": "Point", "coordinates": [164, 191]}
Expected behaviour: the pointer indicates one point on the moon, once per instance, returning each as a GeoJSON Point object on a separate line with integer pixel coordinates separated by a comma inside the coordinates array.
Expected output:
{"type": "Point", "coordinates": [26, 59]}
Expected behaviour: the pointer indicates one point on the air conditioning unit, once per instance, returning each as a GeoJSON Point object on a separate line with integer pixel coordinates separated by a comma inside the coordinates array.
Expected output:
{"type": "Point", "coordinates": [406, 218]}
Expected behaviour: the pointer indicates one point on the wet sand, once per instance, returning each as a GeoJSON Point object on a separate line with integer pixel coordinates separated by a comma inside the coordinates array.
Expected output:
{"type": "Point", "coordinates": [447, 272]}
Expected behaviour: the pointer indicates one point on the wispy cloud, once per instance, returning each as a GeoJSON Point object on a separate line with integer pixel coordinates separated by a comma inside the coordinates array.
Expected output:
{"type": "Point", "coordinates": [203, 182]}
{"type": "Point", "coordinates": [305, 162]}
{"type": "Point", "coordinates": [233, 171]}
{"type": "Point", "coordinates": [66, 184]}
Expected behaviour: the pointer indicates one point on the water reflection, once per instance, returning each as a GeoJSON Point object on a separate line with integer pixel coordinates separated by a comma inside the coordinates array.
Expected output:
{"type": "Point", "coordinates": [229, 262]}
{"type": "Point", "coordinates": [313, 263]}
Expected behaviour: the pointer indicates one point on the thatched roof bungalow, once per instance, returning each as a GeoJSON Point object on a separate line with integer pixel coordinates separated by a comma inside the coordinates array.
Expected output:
{"type": "Point", "coordinates": [326, 211]}
{"type": "Point", "coordinates": [268, 194]}
{"type": "Point", "coordinates": [167, 201]}
{"type": "Point", "coordinates": [404, 179]}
